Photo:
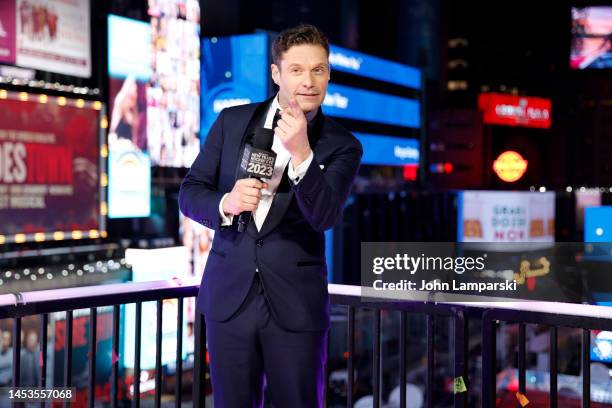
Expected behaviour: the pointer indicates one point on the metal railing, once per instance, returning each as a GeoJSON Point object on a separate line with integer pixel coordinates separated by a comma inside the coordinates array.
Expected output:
{"type": "Point", "coordinates": [555, 315]}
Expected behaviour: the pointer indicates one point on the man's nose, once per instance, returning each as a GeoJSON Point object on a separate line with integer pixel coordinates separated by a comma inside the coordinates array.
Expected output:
{"type": "Point", "coordinates": [307, 80]}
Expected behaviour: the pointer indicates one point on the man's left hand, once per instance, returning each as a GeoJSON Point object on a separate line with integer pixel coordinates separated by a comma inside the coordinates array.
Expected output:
{"type": "Point", "coordinates": [292, 131]}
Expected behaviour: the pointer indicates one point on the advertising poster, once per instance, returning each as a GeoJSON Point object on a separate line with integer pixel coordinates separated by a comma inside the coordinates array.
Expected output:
{"type": "Point", "coordinates": [50, 167]}
{"type": "Point", "coordinates": [54, 36]}
{"type": "Point", "coordinates": [503, 216]}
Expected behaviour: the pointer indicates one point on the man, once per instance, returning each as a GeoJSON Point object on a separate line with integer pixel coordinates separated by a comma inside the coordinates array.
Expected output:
{"type": "Point", "coordinates": [264, 291]}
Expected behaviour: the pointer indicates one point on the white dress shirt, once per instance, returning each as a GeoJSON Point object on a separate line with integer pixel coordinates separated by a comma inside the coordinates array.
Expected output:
{"type": "Point", "coordinates": [282, 159]}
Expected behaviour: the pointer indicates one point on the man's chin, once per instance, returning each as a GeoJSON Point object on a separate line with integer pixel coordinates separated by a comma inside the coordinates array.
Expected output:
{"type": "Point", "coordinates": [308, 106]}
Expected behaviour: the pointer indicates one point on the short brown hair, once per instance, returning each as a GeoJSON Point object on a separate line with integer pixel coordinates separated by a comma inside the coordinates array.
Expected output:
{"type": "Point", "coordinates": [301, 34]}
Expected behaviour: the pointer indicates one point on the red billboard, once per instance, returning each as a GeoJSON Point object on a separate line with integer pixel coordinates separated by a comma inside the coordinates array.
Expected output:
{"type": "Point", "coordinates": [50, 168]}
{"type": "Point", "coordinates": [511, 110]}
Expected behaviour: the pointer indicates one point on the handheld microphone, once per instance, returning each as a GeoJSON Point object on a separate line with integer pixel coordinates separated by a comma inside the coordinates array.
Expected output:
{"type": "Point", "coordinates": [257, 162]}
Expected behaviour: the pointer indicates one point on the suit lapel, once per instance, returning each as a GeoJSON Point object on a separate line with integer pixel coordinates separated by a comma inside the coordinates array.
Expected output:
{"type": "Point", "coordinates": [284, 193]}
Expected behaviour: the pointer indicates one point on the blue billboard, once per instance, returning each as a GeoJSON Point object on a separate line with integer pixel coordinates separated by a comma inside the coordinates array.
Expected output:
{"type": "Point", "coordinates": [388, 150]}
{"type": "Point", "coordinates": [352, 103]}
{"type": "Point", "coordinates": [356, 63]}
{"type": "Point", "coordinates": [598, 224]}
{"type": "Point", "coordinates": [234, 72]}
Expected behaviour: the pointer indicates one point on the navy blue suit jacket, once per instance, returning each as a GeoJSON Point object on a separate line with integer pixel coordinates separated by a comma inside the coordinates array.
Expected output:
{"type": "Point", "coordinates": [289, 251]}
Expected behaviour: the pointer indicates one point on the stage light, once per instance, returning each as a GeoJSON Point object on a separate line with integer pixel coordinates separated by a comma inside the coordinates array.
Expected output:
{"type": "Point", "coordinates": [599, 231]}
{"type": "Point", "coordinates": [61, 101]}
{"type": "Point", "coordinates": [49, 276]}
{"type": "Point", "coordinates": [94, 234]}
{"type": "Point", "coordinates": [23, 96]}
{"type": "Point", "coordinates": [39, 237]}
{"type": "Point", "coordinates": [20, 238]}
{"type": "Point", "coordinates": [568, 189]}
{"type": "Point", "coordinates": [104, 180]}
{"type": "Point", "coordinates": [542, 189]}
{"type": "Point", "coordinates": [80, 103]}
{"type": "Point", "coordinates": [77, 235]}
{"type": "Point", "coordinates": [42, 98]}
{"type": "Point", "coordinates": [58, 235]}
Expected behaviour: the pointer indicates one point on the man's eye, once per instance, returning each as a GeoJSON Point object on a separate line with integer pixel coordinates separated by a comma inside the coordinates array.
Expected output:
{"type": "Point", "coordinates": [296, 71]}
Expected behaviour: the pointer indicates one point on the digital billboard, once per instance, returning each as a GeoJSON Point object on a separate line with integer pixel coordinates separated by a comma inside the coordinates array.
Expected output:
{"type": "Point", "coordinates": [129, 57]}
{"type": "Point", "coordinates": [513, 110]}
{"type": "Point", "coordinates": [50, 168]}
{"type": "Point", "coordinates": [598, 224]}
{"type": "Point", "coordinates": [234, 72]}
{"type": "Point", "coordinates": [357, 63]}
{"type": "Point", "coordinates": [388, 150]}
{"type": "Point", "coordinates": [48, 36]}
{"type": "Point", "coordinates": [173, 91]}
{"type": "Point", "coordinates": [591, 37]}
{"type": "Point", "coordinates": [360, 104]}
{"type": "Point", "coordinates": [505, 216]}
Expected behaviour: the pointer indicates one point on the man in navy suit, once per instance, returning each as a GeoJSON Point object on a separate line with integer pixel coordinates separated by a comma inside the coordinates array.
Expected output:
{"type": "Point", "coordinates": [264, 291]}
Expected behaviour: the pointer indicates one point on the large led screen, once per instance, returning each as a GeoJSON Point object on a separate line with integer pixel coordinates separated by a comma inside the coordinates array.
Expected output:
{"type": "Point", "coordinates": [388, 150]}
{"type": "Point", "coordinates": [234, 72]}
{"type": "Point", "coordinates": [591, 37]}
{"type": "Point", "coordinates": [50, 168]}
{"type": "Point", "coordinates": [360, 104]}
{"type": "Point", "coordinates": [173, 92]}
{"type": "Point", "coordinates": [129, 56]}
{"type": "Point", "coordinates": [357, 63]}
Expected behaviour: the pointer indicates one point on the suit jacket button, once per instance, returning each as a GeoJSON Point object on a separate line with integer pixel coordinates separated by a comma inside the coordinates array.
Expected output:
{"type": "Point", "coordinates": [259, 243]}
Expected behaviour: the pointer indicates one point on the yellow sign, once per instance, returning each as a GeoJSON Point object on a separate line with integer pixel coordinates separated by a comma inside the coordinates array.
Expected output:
{"type": "Point", "coordinates": [510, 166]}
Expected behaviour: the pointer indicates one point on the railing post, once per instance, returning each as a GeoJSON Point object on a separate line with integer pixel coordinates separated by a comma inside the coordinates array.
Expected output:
{"type": "Point", "coordinates": [586, 368]}
{"type": "Point", "coordinates": [376, 359]}
{"type": "Point", "coordinates": [402, 340]}
{"type": "Point", "coordinates": [553, 367]}
{"type": "Point", "coordinates": [351, 357]}
{"type": "Point", "coordinates": [488, 361]}
{"type": "Point", "coordinates": [460, 339]}
{"type": "Point", "coordinates": [199, 375]}
{"type": "Point", "coordinates": [429, 397]}
{"type": "Point", "coordinates": [93, 328]}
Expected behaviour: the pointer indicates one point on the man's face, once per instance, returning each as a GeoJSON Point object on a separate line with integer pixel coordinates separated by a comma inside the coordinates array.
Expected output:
{"type": "Point", "coordinates": [303, 74]}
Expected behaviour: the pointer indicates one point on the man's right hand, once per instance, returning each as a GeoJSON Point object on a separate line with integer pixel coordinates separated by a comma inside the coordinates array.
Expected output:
{"type": "Point", "coordinates": [243, 197]}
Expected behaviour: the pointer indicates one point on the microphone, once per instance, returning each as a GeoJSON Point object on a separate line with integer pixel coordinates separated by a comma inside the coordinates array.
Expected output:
{"type": "Point", "coordinates": [257, 162]}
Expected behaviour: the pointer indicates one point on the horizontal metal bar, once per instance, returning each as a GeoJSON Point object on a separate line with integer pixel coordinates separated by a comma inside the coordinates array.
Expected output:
{"type": "Point", "coordinates": [58, 300]}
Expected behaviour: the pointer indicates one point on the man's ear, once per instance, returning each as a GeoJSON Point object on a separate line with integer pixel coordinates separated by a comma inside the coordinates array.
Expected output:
{"type": "Point", "coordinates": [275, 73]}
